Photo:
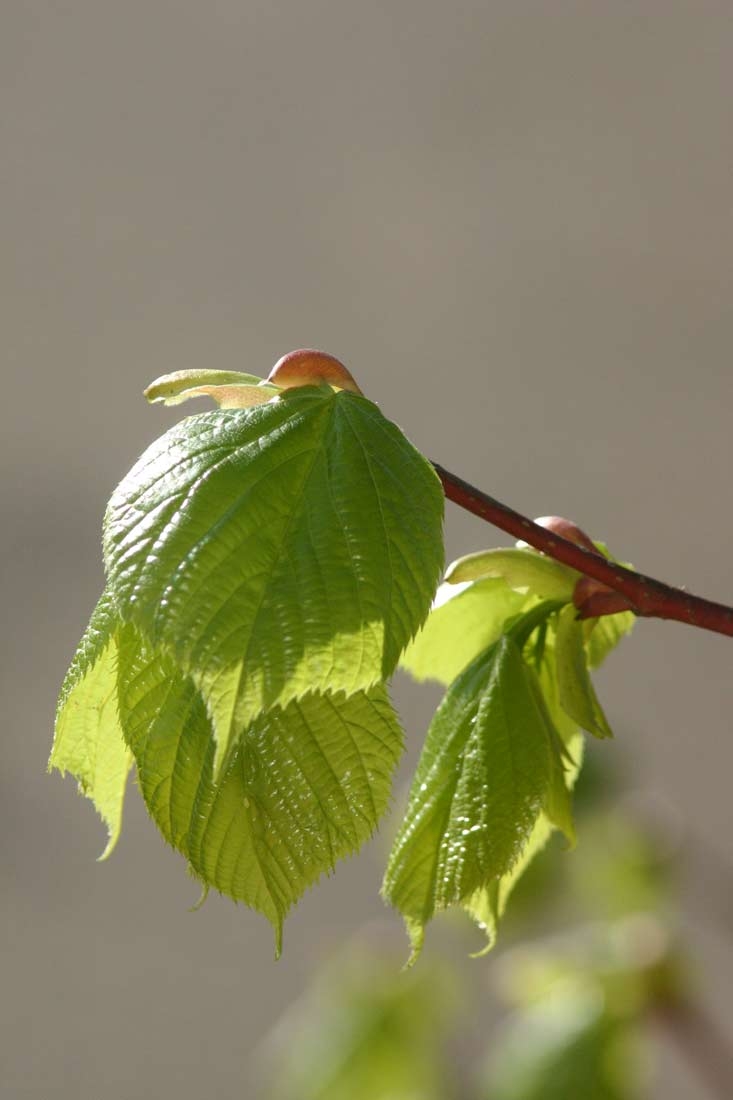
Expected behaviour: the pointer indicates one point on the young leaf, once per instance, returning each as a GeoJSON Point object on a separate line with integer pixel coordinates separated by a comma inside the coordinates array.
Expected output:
{"type": "Point", "coordinates": [88, 740]}
{"type": "Point", "coordinates": [173, 389]}
{"type": "Point", "coordinates": [576, 692]}
{"type": "Point", "coordinates": [229, 397]}
{"type": "Point", "coordinates": [487, 770]}
{"type": "Point", "coordinates": [462, 623]}
{"type": "Point", "coordinates": [487, 906]}
{"type": "Point", "coordinates": [526, 570]}
{"type": "Point", "coordinates": [603, 634]}
{"type": "Point", "coordinates": [283, 549]}
{"type": "Point", "coordinates": [305, 786]}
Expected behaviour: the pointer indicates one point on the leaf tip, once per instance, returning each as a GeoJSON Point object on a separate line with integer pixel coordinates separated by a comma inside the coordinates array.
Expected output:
{"type": "Point", "coordinates": [114, 836]}
{"type": "Point", "coordinates": [488, 946]}
{"type": "Point", "coordinates": [201, 898]}
{"type": "Point", "coordinates": [416, 934]}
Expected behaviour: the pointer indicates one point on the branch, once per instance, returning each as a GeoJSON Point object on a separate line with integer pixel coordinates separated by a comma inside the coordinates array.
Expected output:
{"type": "Point", "coordinates": [618, 588]}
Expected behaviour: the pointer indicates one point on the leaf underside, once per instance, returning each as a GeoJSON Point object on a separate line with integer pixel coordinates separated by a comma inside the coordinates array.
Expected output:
{"type": "Point", "coordinates": [88, 741]}
{"type": "Point", "coordinates": [305, 786]}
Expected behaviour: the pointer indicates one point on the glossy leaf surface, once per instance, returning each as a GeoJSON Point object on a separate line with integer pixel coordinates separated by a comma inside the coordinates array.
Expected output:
{"type": "Point", "coordinates": [488, 768]}
{"type": "Point", "coordinates": [278, 550]}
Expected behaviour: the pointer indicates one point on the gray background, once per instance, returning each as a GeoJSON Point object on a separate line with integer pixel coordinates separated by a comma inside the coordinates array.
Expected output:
{"type": "Point", "coordinates": [514, 222]}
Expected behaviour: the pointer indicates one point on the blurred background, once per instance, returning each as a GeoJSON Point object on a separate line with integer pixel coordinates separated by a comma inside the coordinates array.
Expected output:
{"type": "Point", "coordinates": [514, 222]}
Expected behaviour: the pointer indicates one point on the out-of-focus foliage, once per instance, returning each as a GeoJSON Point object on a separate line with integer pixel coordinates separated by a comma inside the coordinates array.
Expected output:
{"type": "Point", "coordinates": [365, 1031]}
{"type": "Point", "coordinates": [573, 1005]}
{"type": "Point", "coordinates": [567, 1045]}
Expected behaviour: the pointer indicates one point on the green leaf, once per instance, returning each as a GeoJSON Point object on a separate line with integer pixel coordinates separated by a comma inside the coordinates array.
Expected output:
{"type": "Point", "coordinates": [557, 805]}
{"type": "Point", "coordinates": [487, 770]}
{"type": "Point", "coordinates": [525, 570]}
{"type": "Point", "coordinates": [288, 548]}
{"type": "Point", "coordinates": [230, 397]}
{"type": "Point", "coordinates": [487, 906]}
{"type": "Point", "coordinates": [305, 786]}
{"type": "Point", "coordinates": [88, 739]}
{"type": "Point", "coordinates": [462, 623]}
{"type": "Point", "coordinates": [576, 692]}
{"type": "Point", "coordinates": [603, 634]}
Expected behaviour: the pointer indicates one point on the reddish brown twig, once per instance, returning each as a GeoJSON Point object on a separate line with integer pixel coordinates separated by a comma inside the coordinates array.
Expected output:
{"type": "Point", "coordinates": [642, 595]}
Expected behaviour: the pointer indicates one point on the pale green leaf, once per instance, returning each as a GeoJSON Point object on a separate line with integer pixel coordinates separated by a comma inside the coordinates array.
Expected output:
{"type": "Point", "coordinates": [172, 389]}
{"type": "Point", "coordinates": [603, 634]}
{"type": "Point", "coordinates": [557, 805]}
{"type": "Point", "coordinates": [522, 569]}
{"type": "Point", "coordinates": [576, 692]}
{"type": "Point", "coordinates": [462, 623]}
{"type": "Point", "coordinates": [288, 548]}
{"type": "Point", "coordinates": [88, 741]}
{"type": "Point", "coordinates": [230, 397]}
{"type": "Point", "coordinates": [305, 786]}
{"type": "Point", "coordinates": [486, 772]}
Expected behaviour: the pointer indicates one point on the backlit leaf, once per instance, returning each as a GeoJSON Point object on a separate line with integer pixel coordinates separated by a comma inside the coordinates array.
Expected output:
{"type": "Point", "coordinates": [576, 693]}
{"type": "Point", "coordinates": [278, 550]}
{"type": "Point", "coordinates": [603, 634]}
{"type": "Point", "coordinates": [486, 772]}
{"type": "Point", "coordinates": [463, 622]}
{"type": "Point", "coordinates": [305, 786]}
{"type": "Point", "coordinates": [88, 739]}
{"type": "Point", "coordinates": [571, 1043]}
{"type": "Point", "coordinates": [487, 906]}
{"type": "Point", "coordinates": [523, 569]}
{"type": "Point", "coordinates": [172, 389]}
